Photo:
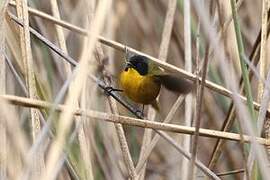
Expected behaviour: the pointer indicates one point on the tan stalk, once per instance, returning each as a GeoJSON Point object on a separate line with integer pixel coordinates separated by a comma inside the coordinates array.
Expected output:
{"type": "Point", "coordinates": [3, 133]}
{"type": "Point", "coordinates": [185, 166]}
{"type": "Point", "coordinates": [16, 100]}
{"type": "Point", "coordinates": [22, 10]}
{"type": "Point", "coordinates": [261, 88]}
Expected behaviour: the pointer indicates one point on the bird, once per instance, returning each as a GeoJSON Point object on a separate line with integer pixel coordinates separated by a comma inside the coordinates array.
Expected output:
{"type": "Point", "coordinates": [142, 79]}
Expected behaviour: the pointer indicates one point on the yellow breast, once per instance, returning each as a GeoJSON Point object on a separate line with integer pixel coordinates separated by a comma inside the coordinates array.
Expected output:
{"type": "Point", "coordinates": [140, 89]}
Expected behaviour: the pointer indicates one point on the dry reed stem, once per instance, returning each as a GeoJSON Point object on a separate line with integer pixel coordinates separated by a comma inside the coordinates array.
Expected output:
{"type": "Point", "coordinates": [84, 141]}
{"type": "Point", "coordinates": [163, 52]}
{"type": "Point", "coordinates": [100, 159]}
{"type": "Point", "coordinates": [260, 121]}
{"type": "Point", "coordinates": [114, 149]}
{"type": "Point", "coordinates": [263, 49]}
{"type": "Point", "coordinates": [231, 172]}
{"type": "Point", "coordinates": [263, 56]}
{"type": "Point", "coordinates": [188, 101]}
{"type": "Point", "coordinates": [167, 30]}
{"type": "Point", "coordinates": [3, 6]}
{"type": "Point", "coordinates": [262, 90]}
{"type": "Point", "coordinates": [3, 132]}
{"type": "Point", "coordinates": [62, 44]}
{"type": "Point", "coordinates": [60, 34]}
{"type": "Point", "coordinates": [225, 26]}
{"type": "Point", "coordinates": [26, 102]}
{"type": "Point", "coordinates": [123, 142]}
{"type": "Point", "coordinates": [199, 99]}
{"type": "Point", "coordinates": [85, 147]}
{"type": "Point", "coordinates": [29, 65]}
{"type": "Point", "coordinates": [65, 120]}
{"type": "Point", "coordinates": [118, 46]}
{"type": "Point", "coordinates": [22, 10]}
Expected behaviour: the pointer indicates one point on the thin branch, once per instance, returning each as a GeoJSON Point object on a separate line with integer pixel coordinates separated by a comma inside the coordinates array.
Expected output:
{"type": "Point", "coordinates": [231, 172]}
{"type": "Point", "coordinates": [198, 112]}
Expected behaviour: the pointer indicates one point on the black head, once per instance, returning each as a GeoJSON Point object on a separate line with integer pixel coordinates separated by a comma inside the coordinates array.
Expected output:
{"type": "Point", "coordinates": [139, 63]}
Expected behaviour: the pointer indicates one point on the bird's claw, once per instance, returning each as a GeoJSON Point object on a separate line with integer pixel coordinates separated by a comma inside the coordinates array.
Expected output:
{"type": "Point", "coordinates": [110, 89]}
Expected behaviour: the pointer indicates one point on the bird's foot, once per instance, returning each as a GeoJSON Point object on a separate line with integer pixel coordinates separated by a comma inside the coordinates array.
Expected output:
{"type": "Point", "coordinates": [110, 89]}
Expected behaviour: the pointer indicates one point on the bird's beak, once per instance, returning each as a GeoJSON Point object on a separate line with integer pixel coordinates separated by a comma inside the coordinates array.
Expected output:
{"type": "Point", "coordinates": [128, 65]}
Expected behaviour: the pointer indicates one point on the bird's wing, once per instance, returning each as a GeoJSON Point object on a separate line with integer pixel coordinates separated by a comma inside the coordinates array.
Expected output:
{"type": "Point", "coordinates": [175, 83]}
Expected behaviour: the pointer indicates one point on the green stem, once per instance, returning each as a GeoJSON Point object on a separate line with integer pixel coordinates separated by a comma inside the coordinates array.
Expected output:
{"type": "Point", "coordinates": [241, 52]}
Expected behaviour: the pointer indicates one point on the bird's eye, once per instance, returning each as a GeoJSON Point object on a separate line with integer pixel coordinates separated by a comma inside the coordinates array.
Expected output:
{"type": "Point", "coordinates": [141, 68]}
{"type": "Point", "coordinates": [139, 65]}
{"type": "Point", "coordinates": [126, 69]}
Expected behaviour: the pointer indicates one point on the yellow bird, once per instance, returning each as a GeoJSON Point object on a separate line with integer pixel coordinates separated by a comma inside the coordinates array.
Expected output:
{"type": "Point", "coordinates": [141, 81]}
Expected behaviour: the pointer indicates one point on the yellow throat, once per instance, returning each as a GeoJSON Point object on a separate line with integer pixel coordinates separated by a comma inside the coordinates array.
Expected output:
{"type": "Point", "coordinates": [141, 89]}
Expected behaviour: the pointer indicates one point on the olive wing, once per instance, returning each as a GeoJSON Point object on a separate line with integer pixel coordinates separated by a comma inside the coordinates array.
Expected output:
{"type": "Point", "coordinates": [175, 83]}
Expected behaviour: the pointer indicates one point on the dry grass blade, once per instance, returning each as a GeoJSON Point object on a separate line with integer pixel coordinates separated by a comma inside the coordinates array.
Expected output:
{"type": "Point", "coordinates": [60, 34]}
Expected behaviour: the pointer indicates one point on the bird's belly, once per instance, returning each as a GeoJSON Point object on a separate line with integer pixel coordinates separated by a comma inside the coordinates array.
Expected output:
{"type": "Point", "coordinates": [140, 89]}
